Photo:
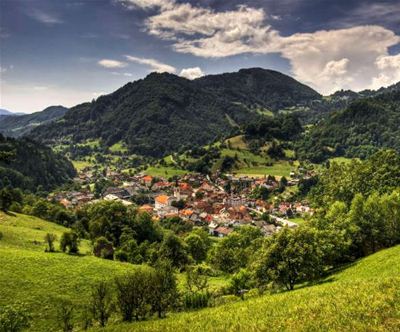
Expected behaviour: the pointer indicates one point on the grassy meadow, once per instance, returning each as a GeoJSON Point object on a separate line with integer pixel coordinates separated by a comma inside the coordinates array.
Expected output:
{"type": "Point", "coordinates": [362, 297]}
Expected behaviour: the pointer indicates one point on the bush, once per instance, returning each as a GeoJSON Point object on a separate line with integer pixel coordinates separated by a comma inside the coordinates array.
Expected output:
{"type": "Point", "coordinates": [13, 319]}
{"type": "Point", "coordinates": [50, 239]}
{"type": "Point", "coordinates": [196, 300]}
{"type": "Point", "coordinates": [69, 242]}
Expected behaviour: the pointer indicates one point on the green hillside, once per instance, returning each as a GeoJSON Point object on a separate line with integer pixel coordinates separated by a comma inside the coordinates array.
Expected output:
{"type": "Point", "coordinates": [245, 162]}
{"type": "Point", "coordinates": [363, 297]}
{"type": "Point", "coordinates": [39, 280]}
{"type": "Point", "coordinates": [15, 126]}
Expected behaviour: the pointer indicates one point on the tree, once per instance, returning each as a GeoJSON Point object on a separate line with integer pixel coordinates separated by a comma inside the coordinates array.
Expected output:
{"type": "Point", "coordinates": [103, 248]}
{"type": "Point", "coordinates": [241, 282]}
{"type": "Point", "coordinates": [164, 288]}
{"type": "Point", "coordinates": [65, 314]}
{"type": "Point", "coordinates": [196, 247]}
{"type": "Point", "coordinates": [173, 249]}
{"type": "Point", "coordinates": [291, 256]}
{"type": "Point", "coordinates": [69, 242]}
{"type": "Point", "coordinates": [195, 280]}
{"type": "Point", "coordinates": [50, 238]}
{"type": "Point", "coordinates": [6, 199]}
{"type": "Point", "coordinates": [133, 294]}
{"type": "Point", "coordinates": [101, 303]}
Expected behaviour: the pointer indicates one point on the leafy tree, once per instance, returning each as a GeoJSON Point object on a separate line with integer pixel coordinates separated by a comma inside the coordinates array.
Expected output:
{"type": "Point", "coordinates": [196, 247]}
{"type": "Point", "coordinates": [101, 303]}
{"type": "Point", "coordinates": [164, 288]}
{"type": "Point", "coordinates": [6, 199]}
{"type": "Point", "coordinates": [290, 257]}
{"type": "Point", "coordinates": [65, 315]}
{"type": "Point", "coordinates": [103, 248]}
{"type": "Point", "coordinates": [50, 238]}
{"type": "Point", "coordinates": [241, 282]}
{"type": "Point", "coordinates": [69, 242]}
{"type": "Point", "coordinates": [133, 294]}
{"type": "Point", "coordinates": [173, 248]}
{"type": "Point", "coordinates": [195, 280]}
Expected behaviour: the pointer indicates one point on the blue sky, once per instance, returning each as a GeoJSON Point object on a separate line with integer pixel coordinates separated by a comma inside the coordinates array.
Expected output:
{"type": "Point", "coordinates": [71, 51]}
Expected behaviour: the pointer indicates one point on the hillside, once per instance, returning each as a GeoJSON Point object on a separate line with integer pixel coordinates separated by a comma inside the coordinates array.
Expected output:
{"type": "Point", "coordinates": [363, 297]}
{"type": "Point", "coordinates": [232, 156]}
{"type": "Point", "coordinates": [15, 126]}
{"type": "Point", "coordinates": [40, 280]}
{"type": "Point", "coordinates": [164, 113]}
{"type": "Point", "coordinates": [27, 165]}
{"type": "Point", "coordinates": [357, 131]}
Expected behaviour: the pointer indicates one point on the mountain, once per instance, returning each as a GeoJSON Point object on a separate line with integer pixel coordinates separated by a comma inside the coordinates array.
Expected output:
{"type": "Point", "coordinates": [26, 164]}
{"type": "Point", "coordinates": [259, 87]}
{"type": "Point", "coordinates": [165, 113]}
{"type": "Point", "coordinates": [365, 126]}
{"type": "Point", "coordinates": [5, 112]}
{"type": "Point", "coordinates": [15, 126]}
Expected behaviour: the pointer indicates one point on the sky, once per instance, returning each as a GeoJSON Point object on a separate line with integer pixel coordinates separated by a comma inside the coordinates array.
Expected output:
{"type": "Point", "coordinates": [65, 52]}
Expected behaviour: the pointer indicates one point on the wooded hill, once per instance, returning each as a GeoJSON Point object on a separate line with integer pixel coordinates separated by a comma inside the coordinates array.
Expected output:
{"type": "Point", "coordinates": [358, 131]}
{"type": "Point", "coordinates": [19, 125]}
{"type": "Point", "coordinates": [164, 113]}
{"type": "Point", "coordinates": [28, 165]}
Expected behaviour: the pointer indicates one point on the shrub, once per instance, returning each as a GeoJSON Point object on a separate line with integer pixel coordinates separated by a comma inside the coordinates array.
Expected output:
{"type": "Point", "coordinates": [69, 242]}
{"type": "Point", "coordinates": [13, 319]}
{"type": "Point", "coordinates": [50, 239]}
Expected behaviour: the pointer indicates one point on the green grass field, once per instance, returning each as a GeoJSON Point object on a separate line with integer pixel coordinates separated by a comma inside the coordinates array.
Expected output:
{"type": "Point", "coordinates": [363, 297]}
{"type": "Point", "coordinates": [39, 280]}
{"type": "Point", "coordinates": [164, 171]}
{"type": "Point", "coordinates": [80, 164]}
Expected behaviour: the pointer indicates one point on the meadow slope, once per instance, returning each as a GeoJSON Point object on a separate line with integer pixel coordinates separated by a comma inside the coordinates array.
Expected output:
{"type": "Point", "coordinates": [362, 297]}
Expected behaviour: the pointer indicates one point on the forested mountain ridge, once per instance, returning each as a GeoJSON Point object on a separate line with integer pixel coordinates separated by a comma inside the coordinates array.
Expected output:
{"type": "Point", "coordinates": [28, 165]}
{"type": "Point", "coordinates": [259, 87]}
{"type": "Point", "coordinates": [165, 113]}
{"type": "Point", "coordinates": [365, 126]}
{"type": "Point", "coordinates": [15, 126]}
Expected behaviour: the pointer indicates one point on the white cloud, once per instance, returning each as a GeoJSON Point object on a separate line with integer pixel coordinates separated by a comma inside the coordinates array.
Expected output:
{"type": "Point", "coordinates": [44, 17]}
{"type": "Point", "coordinates": [153, 64]}
{"type": "Point", "coordinates": [349, 58]}
{"type": "Point", "coordinates": [107, 63]}
{"type": "Point", "coordinates": [191, 73]}
{"type": "Point", "coordinates": [389, 67]}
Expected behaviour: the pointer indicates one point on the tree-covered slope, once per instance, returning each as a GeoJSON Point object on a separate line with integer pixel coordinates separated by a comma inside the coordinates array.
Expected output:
{"type": "Point", "coordinates": [358, 131]}
{"type": "Point", "coordinates": [27, 165]}
{"type": "Point", "coordinates": [15, 126]}
{"type": "Point", "coordinates": [164, 113]}
{"type": "Point", "coordinates": [259, 87]}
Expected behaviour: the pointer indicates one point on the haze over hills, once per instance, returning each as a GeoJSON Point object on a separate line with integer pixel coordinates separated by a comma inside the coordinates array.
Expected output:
{"type": "Point", "coordinates": [15, 126]}
{"type": "Point", "coordinates": [163, 113]}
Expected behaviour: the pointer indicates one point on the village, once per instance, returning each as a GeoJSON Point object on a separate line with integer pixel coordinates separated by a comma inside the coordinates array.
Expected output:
{"type": "Point", "coordinates": [218, 202]}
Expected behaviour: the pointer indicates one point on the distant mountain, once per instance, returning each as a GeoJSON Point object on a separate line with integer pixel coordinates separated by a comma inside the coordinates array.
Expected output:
{"type": "Point", "coordinates": [365, 126]}
{"type": "Point", "coordinates": [26, 164]}
{"type": "Point", "coordinates": [5, 112]}
{"type": "Point", "coordinates": [165, 113]}
{"type": "Point", "coordinates": [15, 126]}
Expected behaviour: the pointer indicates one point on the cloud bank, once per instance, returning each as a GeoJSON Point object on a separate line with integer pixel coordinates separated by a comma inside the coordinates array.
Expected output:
{"type": "Point", "coordinates": [349, 58]}
{"type": "Point", "coordinates": [155, 65]}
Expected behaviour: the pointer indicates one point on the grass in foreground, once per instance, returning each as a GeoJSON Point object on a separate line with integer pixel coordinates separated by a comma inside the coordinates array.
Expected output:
{"type": "Point", "coordinates": [364, 297]}
{"type": "Point", "coordinates": [39, 280]}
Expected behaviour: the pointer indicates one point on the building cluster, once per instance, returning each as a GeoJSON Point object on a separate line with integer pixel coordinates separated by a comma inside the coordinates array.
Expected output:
{"type": "Point", "coordinates": [220, 203]}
